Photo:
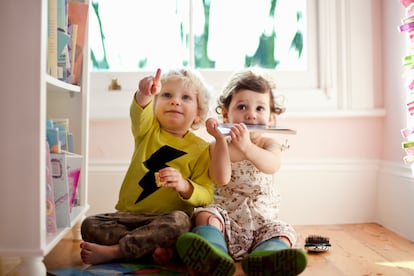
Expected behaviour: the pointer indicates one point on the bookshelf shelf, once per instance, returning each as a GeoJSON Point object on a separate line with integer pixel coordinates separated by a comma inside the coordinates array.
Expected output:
{"type": "Point", "coordinates": [54, 84]}
{"type": "Point", "coordinates": [29, 97]}
{"type": "Point", "coordinates": [76, 217]}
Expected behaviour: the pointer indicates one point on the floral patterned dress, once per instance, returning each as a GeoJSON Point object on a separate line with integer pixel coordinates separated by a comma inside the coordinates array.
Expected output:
{"type": "Point", "coordinates": [248, 207]}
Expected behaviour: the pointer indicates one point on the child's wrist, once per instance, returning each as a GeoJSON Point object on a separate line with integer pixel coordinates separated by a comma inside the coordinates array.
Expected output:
{"type": "Point", "coordinates": [188, 190]}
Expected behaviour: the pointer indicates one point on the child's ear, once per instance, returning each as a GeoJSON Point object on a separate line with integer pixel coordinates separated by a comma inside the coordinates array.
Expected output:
{"type": "Point", "coordinates": [224, 115]}
{"type": "Point", "coordinates": [197, 119]}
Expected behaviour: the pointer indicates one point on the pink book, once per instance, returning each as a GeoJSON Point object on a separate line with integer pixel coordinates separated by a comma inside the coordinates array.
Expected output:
{"type": "Point", "coordinates": [50, 198]}
{"type": "Point", "coordinates": [78, 14]}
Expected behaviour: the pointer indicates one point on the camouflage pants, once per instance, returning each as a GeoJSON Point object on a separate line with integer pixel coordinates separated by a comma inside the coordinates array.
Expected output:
{"type": "Point", "coordinates": [137, 233]}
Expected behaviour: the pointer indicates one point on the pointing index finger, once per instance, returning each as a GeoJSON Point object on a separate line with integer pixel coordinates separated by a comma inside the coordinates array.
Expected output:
{"type": "Point", "coordinates": [156, 82]}
{"type": "Point", "coordinates": [157, 76]}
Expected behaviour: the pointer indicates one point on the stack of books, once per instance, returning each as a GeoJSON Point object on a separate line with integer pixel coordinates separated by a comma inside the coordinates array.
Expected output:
{"type": "Point", "coordinates": [63, 170]}
{"type": "Point", "coordinates": [66, 39]}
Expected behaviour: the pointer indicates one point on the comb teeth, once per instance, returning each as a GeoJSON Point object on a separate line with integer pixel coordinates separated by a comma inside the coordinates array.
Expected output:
{"type": "Point", "coordinates": [317, 240]}
{"type": "Point", "coordinates": [316, 243]}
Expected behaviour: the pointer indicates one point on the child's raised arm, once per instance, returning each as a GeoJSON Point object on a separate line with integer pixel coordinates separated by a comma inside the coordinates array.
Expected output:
{"type": "Point", "coordinates": [267, 158]}
{"type": "Point", "coordinates": [220, 166]}
{"type": "Point", "coordinates": [265, 155]}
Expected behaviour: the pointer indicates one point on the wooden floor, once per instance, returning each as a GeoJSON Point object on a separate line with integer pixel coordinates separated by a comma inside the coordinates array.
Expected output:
{"type": "Point", "coordinates": [357, 249]}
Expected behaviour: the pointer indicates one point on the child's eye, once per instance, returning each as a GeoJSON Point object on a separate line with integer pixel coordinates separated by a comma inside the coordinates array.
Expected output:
{"type": "Point", "coordinates": [261, 108]}
{"type": "Point", "coordinates": [241, 107]}
{"type": "Point", "coordinates": [187, 98]}
{"type": "Point", "coordinates": [166, 95]}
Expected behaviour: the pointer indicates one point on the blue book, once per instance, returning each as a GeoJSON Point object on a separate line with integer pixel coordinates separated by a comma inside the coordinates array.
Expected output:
{"type": "Point", "coordinates": [70, 142]}
{"type": "Point", "coordinates": [52, 136]}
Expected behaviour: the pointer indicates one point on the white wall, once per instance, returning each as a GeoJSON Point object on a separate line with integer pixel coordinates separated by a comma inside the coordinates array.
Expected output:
{"type": "Point", "coordinates": [340, 168]}
{"type": "Point", "coordinates": [395, 186]}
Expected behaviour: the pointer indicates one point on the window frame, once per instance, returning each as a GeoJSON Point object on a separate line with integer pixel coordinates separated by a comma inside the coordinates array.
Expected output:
{"type": "Point", "coordinates": [335, 85]}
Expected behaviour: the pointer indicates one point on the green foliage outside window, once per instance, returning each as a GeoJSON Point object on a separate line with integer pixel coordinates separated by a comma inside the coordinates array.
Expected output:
{"type": "Point", "coordinates": [264, 56]}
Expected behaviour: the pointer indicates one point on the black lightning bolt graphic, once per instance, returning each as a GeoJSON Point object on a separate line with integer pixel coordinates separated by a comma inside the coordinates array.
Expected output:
{"type": "Point", "coordinates": [156, 162]}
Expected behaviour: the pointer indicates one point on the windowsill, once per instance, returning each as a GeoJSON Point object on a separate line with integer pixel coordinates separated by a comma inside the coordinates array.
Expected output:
{"type": "Point", "coordinates": [299, 103]}
{"type": "Point", "coordinates": [314, 114]}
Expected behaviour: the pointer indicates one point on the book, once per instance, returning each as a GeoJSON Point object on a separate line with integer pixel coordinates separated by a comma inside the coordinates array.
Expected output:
{"type": "Point", "coordinates": [51, 225]}
{"type": "Point", "coordinates": [63, 56]}
{"type": "Point", "coordinates": [66, 170]}
{"type": "Point", "coordinates": [70, 142]}
{"type": "Point", "coordinates": [74, 164]}
{"type": "Point", "coordinates": [73, 33]}
{"type": "Point", "coordinates": [52, 136]}
{"type": "Point", "coordinates": [78, 14]}
{"type": "Point", "coordinates": [63, 126]}
{"type": "Point", "coordinates": [225, 129]}
{"type": "Point", "coordinates": [62, 39]}
{"type": "Point", "coordinates": [52, 52]}
{"type": "Point", "coordinates": [58, 135]}
{"type": "Point", "coordinates": [60, 189]}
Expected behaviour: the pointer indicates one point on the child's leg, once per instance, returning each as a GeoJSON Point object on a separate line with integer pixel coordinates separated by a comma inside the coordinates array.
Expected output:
{"type": "Point", "coordinates": [273, 245]}
{"type": "Point", "coordinates": [101, 234]}
{"type": "Point", "coordinates": [134, 234]}
{"type": "Point", "coordinates": [160, 231]}
{"type": "Point", "coordinates": [104, 229]}
{"type": "Point", "coordinates": [204, 249]}
{"type": "Point", "coordinates": [275, 257]}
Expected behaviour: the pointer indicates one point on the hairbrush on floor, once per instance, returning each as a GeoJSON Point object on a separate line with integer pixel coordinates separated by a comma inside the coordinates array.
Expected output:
{"type": "Point", "coordinates": [316, 243]}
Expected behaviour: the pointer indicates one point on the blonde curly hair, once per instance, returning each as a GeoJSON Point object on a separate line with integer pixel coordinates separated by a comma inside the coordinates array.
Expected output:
{"type": "Point", "coordinates": [195, 81]}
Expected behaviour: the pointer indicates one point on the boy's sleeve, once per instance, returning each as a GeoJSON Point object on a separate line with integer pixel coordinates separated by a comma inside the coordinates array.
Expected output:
{"type": "Point", "coordinates": [202, 183]}
{"type": "Point", "coordinates": [141, 118]}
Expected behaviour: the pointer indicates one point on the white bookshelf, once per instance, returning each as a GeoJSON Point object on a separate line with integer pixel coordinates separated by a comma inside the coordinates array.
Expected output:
{"type": "Point", "coordinates": [28, 97]}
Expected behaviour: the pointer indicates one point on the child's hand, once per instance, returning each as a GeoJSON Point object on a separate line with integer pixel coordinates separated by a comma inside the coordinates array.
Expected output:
{"type": "Point", "coordinates": [240, 137]}
{"type": "Point", "coordinates": [150, 85]}
{"type": "Point", "coordinates": [172, 178]}
{"type": "Point", "coordinates": [212, 128]}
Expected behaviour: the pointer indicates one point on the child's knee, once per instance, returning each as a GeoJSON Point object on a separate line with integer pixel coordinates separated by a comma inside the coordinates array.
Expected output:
{"type": "Point", "coordinates": [207, 218]}
{"type": "Point", "coordinates": [181, 220]}
{"type": "Point", "coordinates": [88, 227]}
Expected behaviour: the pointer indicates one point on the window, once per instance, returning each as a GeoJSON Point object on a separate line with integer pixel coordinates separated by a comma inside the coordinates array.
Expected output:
{"type": "Point", "coordinates": [295, 41]}
{"type": "Point", "coordinates": [219, 34]}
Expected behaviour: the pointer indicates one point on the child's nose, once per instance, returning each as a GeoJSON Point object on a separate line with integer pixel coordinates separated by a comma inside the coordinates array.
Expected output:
{"type": "Point", "coordinates": [175, 101]}
{"type": "Point", "coordinates": [250, 115]}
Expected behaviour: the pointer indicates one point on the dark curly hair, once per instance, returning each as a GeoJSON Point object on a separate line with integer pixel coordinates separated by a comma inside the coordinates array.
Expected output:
{"type": "Point", "coordinates": [253, 80]}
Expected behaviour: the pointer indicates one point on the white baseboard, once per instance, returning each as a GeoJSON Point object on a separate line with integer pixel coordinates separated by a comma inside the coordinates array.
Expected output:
{"type": "Point", "coordinates": [328, 191]}
{"type": "Point", "coordinates": [395, 199]}
{"type": "Point", "coordinates": [105, 179]}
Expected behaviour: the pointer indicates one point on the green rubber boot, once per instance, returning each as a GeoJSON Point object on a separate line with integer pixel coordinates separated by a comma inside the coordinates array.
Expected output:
{"type": "Point", "coordinates": [284, 262]}
{"type": "Point", "coordinates": [203, 257]}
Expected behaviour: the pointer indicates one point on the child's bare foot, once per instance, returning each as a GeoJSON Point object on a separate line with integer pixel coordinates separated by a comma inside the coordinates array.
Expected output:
{"type": "Point", "coordinates": [92, 253]}
{"type": "Point", "coordinates": [162, 256]}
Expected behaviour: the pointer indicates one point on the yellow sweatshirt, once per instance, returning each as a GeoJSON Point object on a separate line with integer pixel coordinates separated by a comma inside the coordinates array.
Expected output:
{"type": "Point", "coordinates": [156, 149]}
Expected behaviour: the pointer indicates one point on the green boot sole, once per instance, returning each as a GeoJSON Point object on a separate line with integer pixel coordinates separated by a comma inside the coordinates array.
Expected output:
{"type": "Point", "coordinates": [203, 257]}
{"type": "Point", "coordinates": [285, 262]}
